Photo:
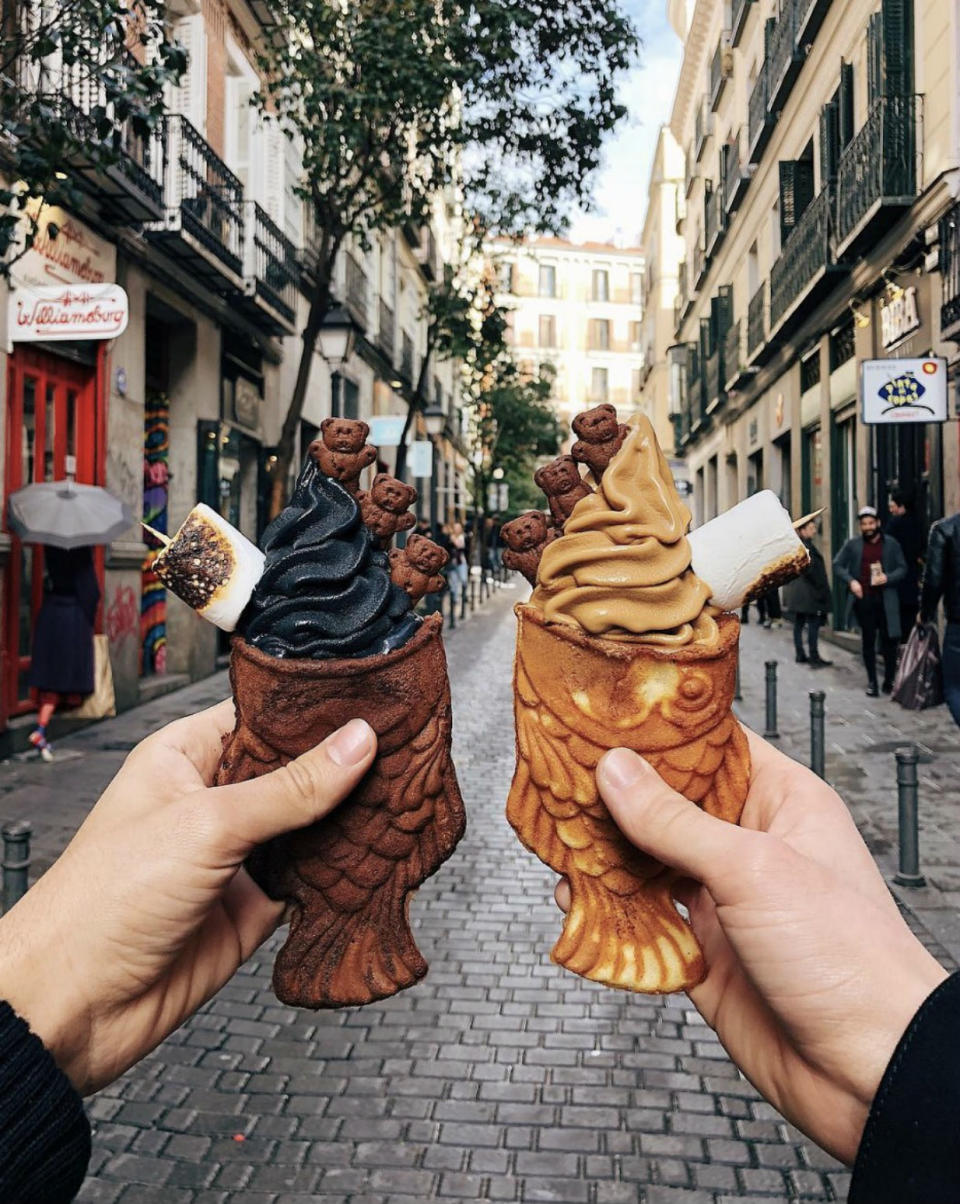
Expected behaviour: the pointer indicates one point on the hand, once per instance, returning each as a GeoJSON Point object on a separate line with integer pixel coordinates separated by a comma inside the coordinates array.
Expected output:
{"type": "Point", "coordinates": [880, 579]}
{"type": "Point", "coordinates": [856, 589]}
{"type": "Point", "coordinates": [149, 912]}
{"type": "Point", "coordinates": [812, 974]}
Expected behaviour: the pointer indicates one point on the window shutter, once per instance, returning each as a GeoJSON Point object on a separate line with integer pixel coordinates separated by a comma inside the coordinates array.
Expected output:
{"type": "Point", "coordinates": [724, 311]}
{"type": "Point", "coordinates": [271, 150]}
{"type": "Point", "coordinates": [874, 58]}
{"type": "Point", "coordinates": [829, 144]}
{"type": "Point", "coordinates": [846, 103]}
{"type": "Point", "coordinates": [802, 185]}
{"type": "Point", "coordinates": [897, 16]}
{"type": "Point", "coordinates": [190, 96]}
{"type": "Point", "coordinates": [706, 335]}
{"type": "Point", "coordinates": [788, 199]}
{"type": "Point", "coordinates": [292, 203]}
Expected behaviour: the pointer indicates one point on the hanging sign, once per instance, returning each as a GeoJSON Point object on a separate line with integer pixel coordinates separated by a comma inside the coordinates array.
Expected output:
{"type": "Point", "coordinates": [899, 317]}
{"type": "Point", "coordinates": [421, 459]}
{"type": "Point", "coordinates": [65, 311]}
{"type": "Point", "coordinates": [904, 390]}
{"type": "Point", "coordinates": [386, 430]}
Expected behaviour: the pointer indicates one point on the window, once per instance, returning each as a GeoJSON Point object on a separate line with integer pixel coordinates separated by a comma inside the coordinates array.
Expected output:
{"type": "Point", "coordinates": [548, 280]}
{"type": "Point", "coordinates": [636, 287]}
{"type": "Point", "coordinates": [505, 277]}
{"type": "Point", "coordinates": [636, 336]}
{"type": "Point", "coordinates": [810, 372]}
{"type": "Point", "coordinates": [600, 334]}
{"type": "Point", "coordinates": [548, 330]}
{"type": "Point", "coordinates": [601, 284]}
{"type": "Point", "coordinates": [599, 384]}
{"type": "Point", "coordinates": [841, 346]}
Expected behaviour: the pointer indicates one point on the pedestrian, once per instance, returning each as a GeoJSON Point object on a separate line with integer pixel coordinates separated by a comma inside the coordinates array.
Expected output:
{"type": "Point", "coordinates": [808, 596]}
{"type": "Point", "coordinates": [496, 545]}
{"type": "Point", "coordinates": [61, 661]}
{"type": "Point", "coordinates": [871, 565]}
{"type": "Point", "coordinates": [906, 528]}
{"type": "Point", "coordinates": [458, 570]}
{"type": "Point", "coordinates": [941, 579]}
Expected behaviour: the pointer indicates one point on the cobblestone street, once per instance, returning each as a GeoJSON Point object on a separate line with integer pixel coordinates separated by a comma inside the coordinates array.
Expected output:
{"type": "Point", "coordinates": [500, 1077]}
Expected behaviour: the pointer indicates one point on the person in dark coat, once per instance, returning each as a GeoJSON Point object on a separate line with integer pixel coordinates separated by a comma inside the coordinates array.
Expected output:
{"type": "Point", "coordinates": [808, 596]}
{"type": "Point", "coordinates": [871, 565]}
{"type": "Point", "coordinates": [906, 528]}
{"type": "Point", "coordinates": [941, 580]}
{"type": "Point", "coordinates": [61, 664]}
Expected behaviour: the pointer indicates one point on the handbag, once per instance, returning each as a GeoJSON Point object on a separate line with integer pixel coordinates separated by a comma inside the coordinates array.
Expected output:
{"type": "Point", "coordinates": [102, 703]}
{"type": "Point", "coordinates": [918, 683]}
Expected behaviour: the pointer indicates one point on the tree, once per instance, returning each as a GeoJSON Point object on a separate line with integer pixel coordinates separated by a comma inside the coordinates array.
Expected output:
{"type": "Point", "coordinates": [73, 77]}
{"type": "Point", "coordinates": [400, 102]}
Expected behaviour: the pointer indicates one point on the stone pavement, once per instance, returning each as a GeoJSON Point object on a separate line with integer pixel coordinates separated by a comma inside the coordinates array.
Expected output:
{"type": "Point", "coordinates": [500, 1077]}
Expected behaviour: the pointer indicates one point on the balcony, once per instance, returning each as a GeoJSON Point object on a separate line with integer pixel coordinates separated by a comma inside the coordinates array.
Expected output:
{"type": "Point", "coordinates": [714, 380]}
{"type": "Point", "coordinates": [703, 128]}
{"type": "Point", "coordinates": [784, 56]}
{"type": "Point", "coordinates": [386, 333]}
{"type": "Point", "coordinates": [950, 274]}
{"type": "Point", "coordinates": [806, 269]}
{"type": "Point", "coordinates": [756, 323]}
{"type": "Point", "coordinates": [203, 200]}
{"type": "Point", "coordinates": [714, 220]}
{"type": "Point", "coordinates": [721, 69]}
{"type": "Point", "coordinates": [270, 271]}
{"type": "Point", "coordinates": [810, 14]}
{"type": "Point", "coordinates": [877, 176]}
{"type": "Point", "coordinates": [739, 13]}
{"type": "Point", "coordinates": [736, 176]}
{"type": "Point", "coordinates": [735, 356]}
{"type": "Point", "coordinates": [355, 290]}
{"type": "Point", "coordinates": [760, 120]}
{"type": "Point", "coordinates": [700, 265]}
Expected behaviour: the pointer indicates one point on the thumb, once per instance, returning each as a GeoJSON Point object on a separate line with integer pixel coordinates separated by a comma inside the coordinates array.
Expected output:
{"type": "Point", "coordinates": [662, 822]}
{"type": "Point", "coordinates": [299, 793]}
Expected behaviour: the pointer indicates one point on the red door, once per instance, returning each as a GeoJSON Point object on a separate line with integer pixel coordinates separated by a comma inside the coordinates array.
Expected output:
{"type": "Point", "coordinates": [51, 415]}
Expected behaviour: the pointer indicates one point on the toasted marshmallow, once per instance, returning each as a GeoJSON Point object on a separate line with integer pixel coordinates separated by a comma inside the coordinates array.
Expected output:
{"type": "Point", "coordinates": [747, 550]}
{"type": "Point", "coordinates": [211, 567]}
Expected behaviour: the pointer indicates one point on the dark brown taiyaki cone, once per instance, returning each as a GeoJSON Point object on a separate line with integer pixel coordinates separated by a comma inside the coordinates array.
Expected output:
{"type": "Point", "coordinates": [349, 876]}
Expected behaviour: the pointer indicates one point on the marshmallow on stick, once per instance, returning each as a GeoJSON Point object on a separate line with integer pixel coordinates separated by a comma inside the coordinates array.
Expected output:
{"type": "Point", "coordinates": [211, 566]}
{"type": "Point", "coordinates": [747, 550]}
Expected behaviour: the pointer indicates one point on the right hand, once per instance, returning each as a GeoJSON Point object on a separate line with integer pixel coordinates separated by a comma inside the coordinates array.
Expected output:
{"type": "Point", "coordinates": [856, 589]}
{"type": "Point", "coordinates": [812, 973]}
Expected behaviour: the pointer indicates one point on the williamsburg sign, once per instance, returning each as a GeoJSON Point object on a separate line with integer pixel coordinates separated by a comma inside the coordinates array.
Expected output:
{"type": "Point", "coordinates": [67, 311]}
{"type": "Point", "coordinates": [904, 390]}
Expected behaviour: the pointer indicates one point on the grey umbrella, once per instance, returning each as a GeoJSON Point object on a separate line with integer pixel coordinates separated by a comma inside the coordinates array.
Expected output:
{"type": "Point", "coordinates": [67, 515]}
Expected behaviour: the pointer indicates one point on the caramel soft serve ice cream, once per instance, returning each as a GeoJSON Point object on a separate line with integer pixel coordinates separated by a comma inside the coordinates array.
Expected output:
{"type": "Point", "coordinates": [619, 646]}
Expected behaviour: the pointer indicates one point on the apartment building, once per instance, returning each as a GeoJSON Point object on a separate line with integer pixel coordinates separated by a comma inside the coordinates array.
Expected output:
{"type": "Point", "coordinates": [577, 307]}
{"type": "Point", "coordinates": [819, 229]}
{"type": "Point", "coordinates": [664, 249]}
{"type": "Point", "coordinates": [202, 231]}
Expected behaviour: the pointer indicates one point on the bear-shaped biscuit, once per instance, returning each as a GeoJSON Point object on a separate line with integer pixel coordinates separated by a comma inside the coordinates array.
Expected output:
{"type": "Point", "coordinates": [560, 480]}
{"type": "Point", "coordinates": [416, 567]}
{"type": "Point", "coordinates": [342, 451]}
{"type": "Point", "coordinates": [526, 536]}
{"type": "Point", "coordinates": [384, 507]}
{"type": "Point", "coordinates": [599, 438]}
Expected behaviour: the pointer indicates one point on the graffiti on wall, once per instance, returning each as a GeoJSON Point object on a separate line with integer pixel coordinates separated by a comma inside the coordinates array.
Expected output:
{"type": "Point", "coordinates": [156, 475]}
{"type": "Point", "coordinates": [122, 617]}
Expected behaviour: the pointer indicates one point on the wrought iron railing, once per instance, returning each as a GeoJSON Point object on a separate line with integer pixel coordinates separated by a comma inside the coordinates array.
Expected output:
{"type": "Point", "coordinates": [355, 288]}
{"type": "Point", "coordinates": [736, 178]}
{"type": "Point", "coordinates": [733, 353]}
{"type": "Point", "coordinates": [740, 10]}
{"type": "Point", "coordinates": [699, 264]}
{"type": "Point", "coordinates": [270, 260]}
{"type": "Point", "coordinates": [880, 165]}
{"type": "Point", "coordinates": [207, 193]}
{"type": "Point", "coordinates": [810, 14]}
{"type": "Point", "coordinates": [784, 57]}
{"type": "Point", "coordinates": [758, 117]}
{"type": "Point", "coordinates": [756, 320]}
{"type": "Point", "coordinates": [950, 272]}
{"type": "Point", "coordinates": [386, 333]}
{"type": "Point", "coordinates": [803, 256]}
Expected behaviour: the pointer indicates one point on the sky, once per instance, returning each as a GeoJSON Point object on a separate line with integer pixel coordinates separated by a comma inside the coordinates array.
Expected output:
{"type": "Point", "coordinates": [620, 189]}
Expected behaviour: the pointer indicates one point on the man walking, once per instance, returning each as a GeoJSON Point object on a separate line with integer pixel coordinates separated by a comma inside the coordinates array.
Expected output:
{"type": "Point", "coordinates": [941, 579]}
{"type": "Point", "coordinates": [905, 527]}
{"type": "Point", "coordinates": [809, 598]}
{"type": "Point", "coordinates": [871, 565]}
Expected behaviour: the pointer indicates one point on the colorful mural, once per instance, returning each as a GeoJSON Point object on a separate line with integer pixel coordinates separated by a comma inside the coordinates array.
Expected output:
{"type": "Point", "coordinates": [153, 597]}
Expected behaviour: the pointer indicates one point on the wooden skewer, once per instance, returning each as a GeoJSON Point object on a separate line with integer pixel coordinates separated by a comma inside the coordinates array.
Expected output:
{"type": "Point", "coordinates": [158, 535]}
{"type": "Point", "coordinates": [807, 518]}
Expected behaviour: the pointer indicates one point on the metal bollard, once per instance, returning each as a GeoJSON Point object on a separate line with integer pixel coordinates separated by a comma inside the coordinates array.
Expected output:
{"type": "Point", "coordinates": [908, 872]}
{"type": "Point", "coordinates": [16, 861]}
{"type": "Point", "coordinates": [473, 593]}
{"type": "Point", "coordinates": [817, 737]}
{"type": "Point", "coordinates": [737, 695]}
{"type": "Point", "coordinates": [771, 732]}
{"type": "Point", "coordinates": [453, 612]}
{"type": "Point", "coordinates": [463, 604]}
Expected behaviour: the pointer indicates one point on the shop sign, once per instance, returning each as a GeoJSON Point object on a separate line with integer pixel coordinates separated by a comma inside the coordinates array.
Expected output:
{"type": "Point", "coordinates": [67, 311]}
{"type": "Point", "coordinates": [246, 403]}
{"type": "Point", "coordinates": [386, 430]}
{"type": "Point", "coordinates": [64, 251]}
{"type": "Point", "coordinates": [421, 459]}
{"type": "Point", "coordinates": [904, 390]}
{"type": "Point", "coordinates": [899, 317]}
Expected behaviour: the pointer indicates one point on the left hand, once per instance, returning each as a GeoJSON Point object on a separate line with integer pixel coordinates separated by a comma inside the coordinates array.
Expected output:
{"type": "Point", "coordinates": [149, 911]}
{"type": "Point", "coordinates": [880, 579]}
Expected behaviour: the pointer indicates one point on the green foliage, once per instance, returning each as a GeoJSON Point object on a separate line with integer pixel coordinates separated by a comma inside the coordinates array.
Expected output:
{"type": "Point", "coordinates": [69, 81]}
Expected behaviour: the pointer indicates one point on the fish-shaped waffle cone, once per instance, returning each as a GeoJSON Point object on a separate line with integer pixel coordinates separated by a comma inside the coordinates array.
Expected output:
{"type": "Point", "coordinates": [349, 876]}
{"type": "Point", "coordinates": [576, 697]}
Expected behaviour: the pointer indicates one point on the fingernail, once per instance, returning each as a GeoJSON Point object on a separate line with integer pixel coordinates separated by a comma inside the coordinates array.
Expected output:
{"type": "Point", "coordinates": [621, 768]}
{"type": "Point", "coordinates": [351, 743]}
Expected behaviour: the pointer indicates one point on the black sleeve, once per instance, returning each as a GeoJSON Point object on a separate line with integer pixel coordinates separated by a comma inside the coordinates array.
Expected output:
{"type": "Point", "coordinates": [932, 585]}
{"type": "Point", "coordinates": [44, 1131]}
{"type": "Point", "coordinates": [910, 1150]}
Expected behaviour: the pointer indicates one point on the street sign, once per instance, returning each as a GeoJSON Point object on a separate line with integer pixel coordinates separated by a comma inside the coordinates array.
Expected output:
{"type": "Point", "coordinates": [67, 311]}
{"type": "Point", "coordinates": [903, 390]}
{"type": "Point", "coordinates": [386, 430]}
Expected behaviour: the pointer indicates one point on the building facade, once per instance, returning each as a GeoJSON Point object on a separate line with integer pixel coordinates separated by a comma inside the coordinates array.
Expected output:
{"type": "Point", "coordinates": [577, 307]}
{"type": "Point", "coordinates": [821, 144]}
{"type": "Point", "coordinates": [203, 230]}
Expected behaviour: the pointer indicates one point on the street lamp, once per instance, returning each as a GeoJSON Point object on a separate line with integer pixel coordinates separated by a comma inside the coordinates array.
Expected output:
{"type": "Point", "coordinates": [434, 418]}
{"type": "Point", "coordinates": [337, 337]}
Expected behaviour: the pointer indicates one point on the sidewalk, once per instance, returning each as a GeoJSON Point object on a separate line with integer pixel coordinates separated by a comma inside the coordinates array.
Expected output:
{"type": "Point", "coordinates": [862, 735]}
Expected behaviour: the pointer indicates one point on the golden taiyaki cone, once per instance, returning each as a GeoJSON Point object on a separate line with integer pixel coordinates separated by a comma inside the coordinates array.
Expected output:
{"type": "Point", "coordinates": [619, 647]}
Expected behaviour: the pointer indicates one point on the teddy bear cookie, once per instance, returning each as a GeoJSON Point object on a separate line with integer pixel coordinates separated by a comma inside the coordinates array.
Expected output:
{"type": "Point", "coordinates": [416, 567]}
{"type": "Point", "coordinates": [526, 537]}
{"type": "Point", "coordinates": [599, 438]}
{"type": "Point", "coordinates": [342, 451]}
{"type": "Point", "coordinates": [384, 507]}
{"type": "Point", "coordinates": [560, 480]}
